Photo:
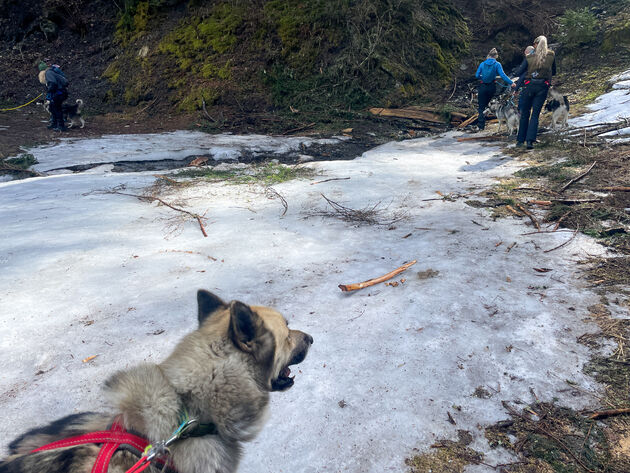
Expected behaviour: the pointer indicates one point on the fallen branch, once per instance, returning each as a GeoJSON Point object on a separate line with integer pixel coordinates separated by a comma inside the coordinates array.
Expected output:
{"type": "Point", "coordinates": [167, 179]}
{"type": "Point", "coordinates": [272, 193]}
{"type": "Point", "coordinates": [148, 106]}
{"type": "Point", "coordinates": [482, 138]}
{"type": "Point", "coordinates": [575, 201]}
{"type": "Point", "coordinates": [205, 111]}
{"type": "Point", "coordinates": [370, 215]}
{"type": "Point", "coordinates": [331, 179]}
{"type": "Point", "coordinates": [300, 128]}
{"type": "Point", "coordinates": [540, 202]}
{"type": "Point", "coordinates": [150, 198]}
{"type": "Point", "coordinates": [530, 215]}
{"type": "Point", "coordinates": [566, 242]}
{"type": "Point", "coordinates": [468, 121]}
{"type": "Point", "coordinates": [407, 113]}
{"type": "Point", "coordinates": [372, 282]}
{"type": "Point", "coordinates": [560, 220]}
{"type": "Point", "coordinates": [575, 179]}
{"type": "Point", "coordinates": [540, 189]}
{"type": "Point", "coordinates": [513, 210]}
{"type": "Point", "coordinates": [616, 189]}
{"type": "Point", "coordinates": [608, 413]}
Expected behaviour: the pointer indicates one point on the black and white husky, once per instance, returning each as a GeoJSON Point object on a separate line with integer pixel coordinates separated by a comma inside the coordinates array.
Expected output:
{"type": "Point", "coordinates": [506, 113]}
{"type": "Point", "coordinates": [558, 104]}
{"type": "Point", "coordinates": [71, 112]}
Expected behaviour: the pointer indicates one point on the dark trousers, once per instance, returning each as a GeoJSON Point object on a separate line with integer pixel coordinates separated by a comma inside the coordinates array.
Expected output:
{"type": "Point", "coordinates": [531, 103]}
{"type": "Point", "coordinates": [486, 92]}
{"type": "Point", "coordinates": [56, 111]}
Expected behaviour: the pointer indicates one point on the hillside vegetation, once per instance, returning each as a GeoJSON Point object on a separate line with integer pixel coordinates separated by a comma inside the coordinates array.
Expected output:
{"type": "Point", "coordinates": [321, 59]}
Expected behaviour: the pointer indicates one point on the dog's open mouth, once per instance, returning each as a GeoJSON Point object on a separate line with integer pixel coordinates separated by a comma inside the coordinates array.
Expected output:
{"type": "Point", "coordinates": [283, 381]}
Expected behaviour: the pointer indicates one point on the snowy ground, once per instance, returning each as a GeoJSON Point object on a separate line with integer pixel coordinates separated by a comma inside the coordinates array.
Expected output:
{"type": "Point", "coordinates": [85, 273]}
{"type": "Point", "coordinates": [611, 107]}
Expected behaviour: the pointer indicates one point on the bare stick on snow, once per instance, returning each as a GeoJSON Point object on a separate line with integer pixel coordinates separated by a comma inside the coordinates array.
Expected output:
{"type": "Point", "coordinates": [151, 198]}
{"type": "Point", "coordinates": [372, 282]}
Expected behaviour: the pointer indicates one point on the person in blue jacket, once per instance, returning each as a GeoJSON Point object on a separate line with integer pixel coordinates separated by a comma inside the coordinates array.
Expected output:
{"type": "Point", "coordinates": [487, 73]}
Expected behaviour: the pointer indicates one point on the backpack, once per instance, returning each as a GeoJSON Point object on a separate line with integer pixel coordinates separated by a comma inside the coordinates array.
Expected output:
{"type": "Point", "coordinates": [60, 77]}
{"type": "Point", "coordinates": [488, 72]}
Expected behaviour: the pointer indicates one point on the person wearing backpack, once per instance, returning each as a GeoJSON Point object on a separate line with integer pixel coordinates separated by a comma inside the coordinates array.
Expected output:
{"type": "Point", "coordinates": [56, 92]}
{"type": "Point", "coordinates": [538, 70]}
{"type": "Point", "coordinates": [487, 73]}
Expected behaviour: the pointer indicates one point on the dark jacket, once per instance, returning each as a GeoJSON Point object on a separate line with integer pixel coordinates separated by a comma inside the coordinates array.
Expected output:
{"type": "Point", "coordinates": [489, 69]}
{"type": "Point", "coordinates": [56, 82]}
{"type": "Point", "coordinates": [526, 71]}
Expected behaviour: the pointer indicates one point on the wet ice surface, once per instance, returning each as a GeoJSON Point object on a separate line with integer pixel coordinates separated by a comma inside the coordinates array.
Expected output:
{"type": "Point", "coordinates": [85, 273]}
{"type": "Point", "coordinates": [178, 145]}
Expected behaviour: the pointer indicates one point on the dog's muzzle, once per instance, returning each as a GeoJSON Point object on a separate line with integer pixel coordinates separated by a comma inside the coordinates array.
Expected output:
{"type": "Point", "coordinates": [284, 380]}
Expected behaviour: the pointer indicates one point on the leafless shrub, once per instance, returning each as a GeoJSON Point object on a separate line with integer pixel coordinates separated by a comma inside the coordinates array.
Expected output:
{"type": "Point", "coordinates": [373, 214]}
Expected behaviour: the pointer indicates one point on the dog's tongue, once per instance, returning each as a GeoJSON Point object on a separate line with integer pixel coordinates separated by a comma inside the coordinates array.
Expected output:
{"type": "Point", "coordinates": [285, 372]}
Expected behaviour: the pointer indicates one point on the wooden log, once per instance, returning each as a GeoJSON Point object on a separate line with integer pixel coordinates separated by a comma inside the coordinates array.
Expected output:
{"type": "Point", "coordinates": [407, 113]}
{"type": "Point", "coordinates": [616, 189]}
{"type": "Point", "coordinates": [608, 413]}
{"type": "Point", "coordinates": [469, 121]}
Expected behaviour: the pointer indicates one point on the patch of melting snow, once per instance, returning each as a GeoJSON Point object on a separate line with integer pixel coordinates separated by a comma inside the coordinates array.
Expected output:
{"type": "Point", "coordinates": [611, 107]}
{"type": "Point", "coordinates": [178, 145]}
{"type": "Point", "coordinates": [398, 357]}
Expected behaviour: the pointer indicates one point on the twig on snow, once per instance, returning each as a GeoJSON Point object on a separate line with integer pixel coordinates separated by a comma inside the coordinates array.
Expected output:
{"type": "Point", "coordinates": [331, 179]}
{"type": "Point", "coordinates": [565, 243]}
{"type": "Point", "coordinates": [272, 194]}
{"type": "Point", "coordinates": [151, 198]}
{"type": "Point", "coordinates": [530, 215]}
{"type": "Point", "coordinates": [372, 282]}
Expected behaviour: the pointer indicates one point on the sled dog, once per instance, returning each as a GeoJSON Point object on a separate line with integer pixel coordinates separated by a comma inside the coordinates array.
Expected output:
{"type": "Point", "coordinates": [558, 105]}
{"type": "Point", "coordinates": [506, 113]}
{"type": "Point", "coordinates": [71, 112]}
{"type": "Point", "coordinates": [213, 390]}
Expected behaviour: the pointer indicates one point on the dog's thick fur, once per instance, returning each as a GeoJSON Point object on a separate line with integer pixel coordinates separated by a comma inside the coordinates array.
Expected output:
{"type": "Point", "coordinates": [221, 373]}
{"type": "Point", "coordinates": [71, 112]}
{"type": "Point", "coordinates": [506, 113]}
{"type": "Point", "coordinates": [558, 104]}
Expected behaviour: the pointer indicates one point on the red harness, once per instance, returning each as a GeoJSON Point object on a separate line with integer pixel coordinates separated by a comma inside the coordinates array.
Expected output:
{"type": "Point", "coordinates": [111, 439]}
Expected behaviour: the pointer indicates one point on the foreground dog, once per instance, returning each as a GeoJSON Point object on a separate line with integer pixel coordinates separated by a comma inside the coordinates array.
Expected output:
{"type": "Point", "coordinates": [71, 112]}
{"type": "Point", "coordinates": [506, 113]}
{"type": "Point", "coordinates": [558, 104]}
{"type": "Point", "coordinates": [220, 375]}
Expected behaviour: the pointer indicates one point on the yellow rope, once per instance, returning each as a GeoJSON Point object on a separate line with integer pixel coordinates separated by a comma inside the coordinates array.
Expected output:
{"type": "Point", "coordinates": [15, 108]}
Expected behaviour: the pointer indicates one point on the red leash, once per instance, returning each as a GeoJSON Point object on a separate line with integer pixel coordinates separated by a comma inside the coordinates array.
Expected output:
{"type": "Point", "coordinates": [111, 439]}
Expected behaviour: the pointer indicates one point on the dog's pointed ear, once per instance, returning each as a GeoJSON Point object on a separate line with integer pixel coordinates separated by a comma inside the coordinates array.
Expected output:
{"type": "Point", "coordinates": [207, 304]}
{"type": "Point", "coordinates": [244, 324]}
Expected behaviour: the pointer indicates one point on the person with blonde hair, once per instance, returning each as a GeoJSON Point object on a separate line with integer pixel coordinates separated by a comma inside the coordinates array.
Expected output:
{"type": "Point", "coordinates": [487, 73]}
{"type": "Point", "coordinates": [537, 69]}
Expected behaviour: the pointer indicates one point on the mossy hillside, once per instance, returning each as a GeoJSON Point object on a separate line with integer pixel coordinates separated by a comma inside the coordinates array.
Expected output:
{"type": "Point", "coordinates": [316, 57]}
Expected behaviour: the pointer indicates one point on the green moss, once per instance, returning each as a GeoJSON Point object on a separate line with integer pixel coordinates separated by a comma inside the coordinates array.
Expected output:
{"type": "Point", "coordinates": [112, 73]}
{"type": "Point", "coordinates": [198, 39]}
{"type": "Point", "coordinates": [616, 33]}
{"type": "Point", "coordinates": [266, 174]}
{"type": "Point", "coordinates": [24, 161]}
{"type": "Point", "coordinates": [141, 17]}
{"type": "Point", "coordinates": [194, 99]}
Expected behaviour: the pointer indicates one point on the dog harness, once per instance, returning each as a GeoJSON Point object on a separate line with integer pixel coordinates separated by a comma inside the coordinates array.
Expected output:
{"type": "Point", "coordinates": [113, 439]}
{"type": "Point", "coordinates": [117, 438]}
